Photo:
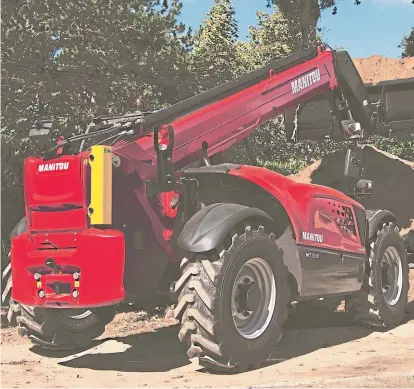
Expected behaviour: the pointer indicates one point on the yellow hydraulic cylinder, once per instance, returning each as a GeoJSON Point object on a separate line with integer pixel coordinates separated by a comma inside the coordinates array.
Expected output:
{"type": "Point", "coordinates": [100, 209]}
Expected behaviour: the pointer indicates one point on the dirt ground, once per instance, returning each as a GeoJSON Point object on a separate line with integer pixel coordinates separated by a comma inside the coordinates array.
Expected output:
{"type": "Point", "coordinates": [321, 351]}
{"type": "Point", "coordinates": [377, 68]}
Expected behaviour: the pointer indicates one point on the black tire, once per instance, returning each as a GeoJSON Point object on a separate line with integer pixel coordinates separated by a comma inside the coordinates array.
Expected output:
{"type": "Point", "coordinates": [204, 305]}
{"type": "Point", "coordinates": [63, 329]}
{"type": "Point", "coordinates": [370, 306]}
{"type": "Point", "coordinates": [55, 328]}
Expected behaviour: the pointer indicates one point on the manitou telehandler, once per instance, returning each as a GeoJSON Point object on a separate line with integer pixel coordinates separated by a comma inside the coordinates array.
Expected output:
{"type": "Point", "coordinates": [146, 210]}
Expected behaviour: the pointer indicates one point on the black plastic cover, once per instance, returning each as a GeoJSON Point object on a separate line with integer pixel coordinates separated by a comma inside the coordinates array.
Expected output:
{"type": "Point", "coordinates": [208, 227]}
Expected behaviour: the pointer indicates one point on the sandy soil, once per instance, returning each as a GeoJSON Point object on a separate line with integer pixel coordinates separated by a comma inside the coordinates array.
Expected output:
{"type": "Point", "coordinates": [377, 68]}
{"type": "Point", "coordinates": [137, 351]}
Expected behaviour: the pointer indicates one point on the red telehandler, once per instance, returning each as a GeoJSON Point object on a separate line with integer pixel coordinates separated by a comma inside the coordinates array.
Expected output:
{"type": "Point", "coordinates": [146, 211]}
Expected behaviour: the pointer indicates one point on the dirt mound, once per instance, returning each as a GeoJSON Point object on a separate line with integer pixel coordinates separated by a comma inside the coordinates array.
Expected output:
{"type": "Point", "coordinates": [377, 68]}
{"type": "Point", "coordinates": [393, 181]}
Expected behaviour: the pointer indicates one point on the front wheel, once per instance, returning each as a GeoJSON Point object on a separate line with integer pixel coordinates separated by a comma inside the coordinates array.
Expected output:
{"type": "Point", "coordinates": [232, 302]}
{"type": "Point", "coordinates": [382, 301]}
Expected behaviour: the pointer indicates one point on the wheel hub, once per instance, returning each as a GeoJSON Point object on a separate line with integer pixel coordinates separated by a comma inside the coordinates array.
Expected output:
{"type": "Point", "coordinates": [391, 275]}
{"type": "Point", "coordinates": [253, 298]}
{"type": "Point", "coordinates": [76, 313]}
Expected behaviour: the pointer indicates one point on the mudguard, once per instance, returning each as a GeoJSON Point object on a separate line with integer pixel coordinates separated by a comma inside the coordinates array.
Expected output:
{"type": "Point", "coordinates": [377, 216]}
{"type": "Point", "coordinates": [208, 227]}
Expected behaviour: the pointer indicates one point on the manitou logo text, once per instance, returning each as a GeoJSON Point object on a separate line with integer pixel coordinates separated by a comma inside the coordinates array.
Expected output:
{"type": "Point", "coordinates": [306, 81]}
{"type": "Point", "coordinates": [52, 167]}
{"type": "Point", "coordinates": [313, 237]}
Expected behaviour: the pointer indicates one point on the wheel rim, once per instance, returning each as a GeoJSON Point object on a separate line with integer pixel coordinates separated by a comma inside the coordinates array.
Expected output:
{"type": "Point", "coordinates": [76, 313]}
{"type": "Point", "coordinates": [253, 298]}
{"type": "Point", "coordinates": [391, 275]}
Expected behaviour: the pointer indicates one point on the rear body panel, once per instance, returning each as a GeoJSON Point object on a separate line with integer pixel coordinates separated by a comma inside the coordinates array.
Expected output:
{"type": "Point", "coordinates": [55, 191]}
{"type": "Point", "coordinates": [56, 199]}
{"type": "Point", "coordinates": [98, 256]}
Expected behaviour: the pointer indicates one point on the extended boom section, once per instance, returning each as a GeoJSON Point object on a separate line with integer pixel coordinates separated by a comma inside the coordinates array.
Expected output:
{"type": "Point", "coordinates": [230, 119]}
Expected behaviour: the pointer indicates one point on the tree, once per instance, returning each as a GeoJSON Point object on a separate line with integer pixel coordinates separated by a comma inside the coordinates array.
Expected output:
{"type": "Point", "coordinates": [306, 14]}
{"type": "Point", "coordinates": [407, 45]}
{"type": "Point", "coordinates": [75, 60]}
{"type": "Point", "coordinates": [213, 59]}
{"type": "Point", "coordinates": [271, 40]}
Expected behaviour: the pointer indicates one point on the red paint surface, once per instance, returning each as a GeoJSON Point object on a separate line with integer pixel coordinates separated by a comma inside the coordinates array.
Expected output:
{"type": "Point", "coordinates": [308, 208]}
{"type": "Point", "coordinates": [229, 120]}
{"type": "Point", "coordinates": [56, 199]}
{"type": "Point", "coordinates": [99, 254]}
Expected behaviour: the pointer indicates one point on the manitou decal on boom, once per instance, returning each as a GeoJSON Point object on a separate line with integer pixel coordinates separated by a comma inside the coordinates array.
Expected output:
{"type": "Point", "coordinates": [306, 81]}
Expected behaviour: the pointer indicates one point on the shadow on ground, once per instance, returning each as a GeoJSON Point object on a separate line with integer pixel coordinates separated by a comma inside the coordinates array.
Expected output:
{"type": "Point", "coordinates": [306, 330]}
{"type": "Point", "coordinates": [161, 351]}
{"type": "Point", "coordinates": [154, 351]}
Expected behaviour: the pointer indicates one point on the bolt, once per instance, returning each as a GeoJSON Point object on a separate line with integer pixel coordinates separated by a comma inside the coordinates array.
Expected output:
{"type": "Point", "coordinates": [246, 280]}
{"type": "Point", "coordinates": [37, 276]}
{"type": "Point", "coordinates": [41, 293]}
{"type": "Point", "coordinates": [76, 276]}
{"type": "Point", "coordinates": [246, 314]}
{"type": "Point", "coordinates": [75, 294]}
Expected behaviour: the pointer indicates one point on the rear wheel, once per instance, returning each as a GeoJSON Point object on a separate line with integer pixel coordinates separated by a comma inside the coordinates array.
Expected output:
{"type": "Point", "coordinates": [55, 328]}
{"type": "Point", "coordinates": [233, 301]}
{"type": "Point", "coordinates": [63, 329]}
{"type": "Point", "coordinates": [382, 301]}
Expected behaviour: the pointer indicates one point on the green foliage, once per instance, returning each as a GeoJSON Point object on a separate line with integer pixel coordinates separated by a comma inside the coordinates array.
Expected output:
{"type": "Point", "coordinates": [286, 168]}
{"type": "Point", "coordinates": [407, 45]}
{"type": "Point", "coordinates": [402, 149]}
{"type": "Point", "coordinates": [76, 60]}
{"type": "Point", "coordinates": [214, 58]}
{"type": "Point", "coordinates": [271, 40]}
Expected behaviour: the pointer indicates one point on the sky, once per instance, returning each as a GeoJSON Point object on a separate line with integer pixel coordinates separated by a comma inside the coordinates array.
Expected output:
{"type": "Point", "coordinates": [374, 27]}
